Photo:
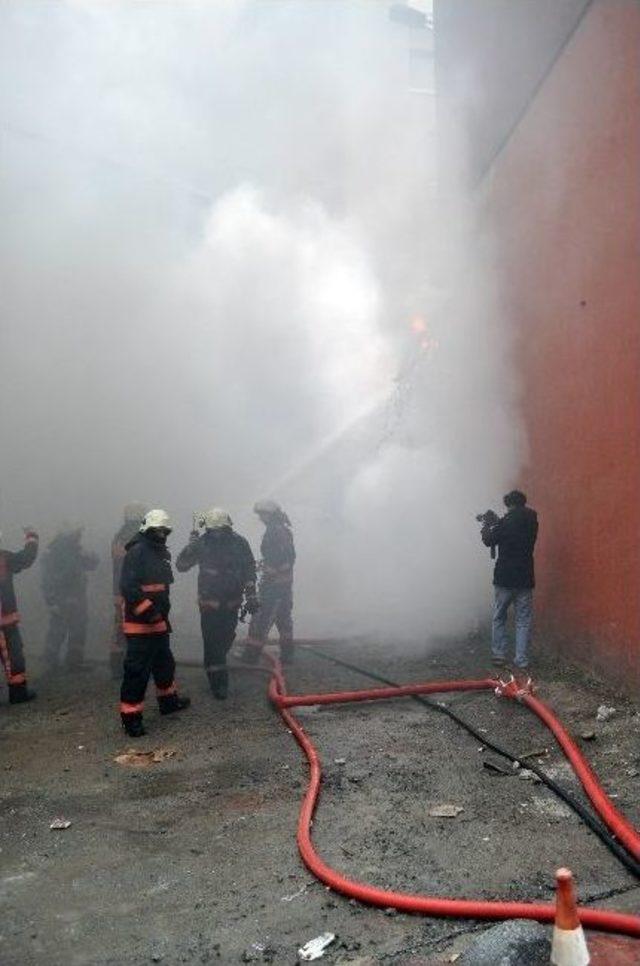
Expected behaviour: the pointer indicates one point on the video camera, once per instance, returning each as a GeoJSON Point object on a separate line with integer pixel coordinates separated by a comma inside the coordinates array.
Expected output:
{"type": "Point", "coordinates": [488, 519]}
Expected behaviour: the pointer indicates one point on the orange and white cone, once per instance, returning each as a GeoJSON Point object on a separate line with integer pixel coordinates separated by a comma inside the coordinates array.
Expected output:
{"type": "Point", "coordinates": [569, 947]}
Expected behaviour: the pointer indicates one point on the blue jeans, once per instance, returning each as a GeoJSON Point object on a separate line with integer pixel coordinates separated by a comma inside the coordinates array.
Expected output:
{"type": "Point", "coordinates": [522, 601]}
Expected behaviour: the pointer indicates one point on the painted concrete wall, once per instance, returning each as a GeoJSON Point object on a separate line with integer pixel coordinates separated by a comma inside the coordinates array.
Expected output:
{"type": "Point", "coordinates": [491, 55]}
{"type": "Point", "coordinates": [563, 199]}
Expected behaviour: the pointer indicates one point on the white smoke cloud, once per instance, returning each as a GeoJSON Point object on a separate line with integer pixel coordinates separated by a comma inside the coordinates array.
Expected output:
{"type": "Point", "coordinates": [219, 225]}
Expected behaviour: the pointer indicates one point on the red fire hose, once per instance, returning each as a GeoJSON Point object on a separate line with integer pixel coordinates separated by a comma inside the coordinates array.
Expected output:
{"type": "Point", "coordinates": [619, 825]}
{"type": "Point", "coordinates": [429, 905]}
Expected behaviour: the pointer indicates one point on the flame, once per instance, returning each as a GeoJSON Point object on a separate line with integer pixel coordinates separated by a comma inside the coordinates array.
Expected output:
{"type": "Point", "coordinates": [419, 327]}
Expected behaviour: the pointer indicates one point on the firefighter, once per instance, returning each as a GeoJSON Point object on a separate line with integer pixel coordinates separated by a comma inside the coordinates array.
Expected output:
{"type": "Point", "coordinates": [145, 584]}
{"type": "Point", "coordinates": [227, 573]}
{"type": "Point", "coordinates": [276, 583]}
{"type": "Point", "coordinates": [133, 517]}
{"type": "Point", "coordinates": [64, 584]}
{"type": "Point", "coordinates": [11, 651]}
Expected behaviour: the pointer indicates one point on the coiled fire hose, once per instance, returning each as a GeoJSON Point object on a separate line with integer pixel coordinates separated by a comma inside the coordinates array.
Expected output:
{"type": "Point", "coordinates": [604, 920]}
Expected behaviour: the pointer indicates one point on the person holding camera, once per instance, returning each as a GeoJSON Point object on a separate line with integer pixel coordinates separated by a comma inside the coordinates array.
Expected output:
{"type": "Point", "coordinates": [514, 537]}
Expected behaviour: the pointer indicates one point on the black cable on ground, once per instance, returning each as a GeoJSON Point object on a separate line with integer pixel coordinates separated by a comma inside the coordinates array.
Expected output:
{"type": "Point", "coordinates": [597, 827]}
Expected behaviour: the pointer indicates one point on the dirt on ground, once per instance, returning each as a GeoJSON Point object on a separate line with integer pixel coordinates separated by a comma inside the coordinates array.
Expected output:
{"type": "Point", "coordinates": [193, 859]}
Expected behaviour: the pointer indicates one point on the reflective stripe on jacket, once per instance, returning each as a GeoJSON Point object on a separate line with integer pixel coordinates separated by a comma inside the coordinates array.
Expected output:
{"type": "Point", "coordinates": [145, 584]}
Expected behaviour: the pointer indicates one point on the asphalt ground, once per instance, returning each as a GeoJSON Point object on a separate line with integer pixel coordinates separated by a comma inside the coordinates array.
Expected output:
{"type": "Point", "coordinates": [193, 859]}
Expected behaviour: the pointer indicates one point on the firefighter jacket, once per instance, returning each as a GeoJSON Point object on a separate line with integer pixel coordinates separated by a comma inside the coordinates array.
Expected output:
{"type": "Point", "coordinates": [64, 570]}
{"type": "Point", "coordinates": [12, 562]}
{"type": "Point", "coordinates": [125, 534]}
{"type": "Point", "coordinates": [278, 552]}
{"type": "Point", "coordinates": [145, 584]}
{"type": "Point", "coordinates": [227, 568]}
{"type": "Point", "coordinates": [514, 535]}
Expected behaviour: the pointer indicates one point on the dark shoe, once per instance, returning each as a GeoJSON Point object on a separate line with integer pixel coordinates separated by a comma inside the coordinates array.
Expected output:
{"type": "Point", "coordinates": [498, 662]}
{"type": "Point", "coordinates": [19, 693]}
{"type": "Point", "coordinates": [132, 724]}
{"type": "Point", "coordinates": [116, 659]}
{"type": "Point", "coordinates": [219, 684]}
{"type": "Point", "coordinates": [287, 652]}
{"type": "Point", "coordinates": [168, 703]}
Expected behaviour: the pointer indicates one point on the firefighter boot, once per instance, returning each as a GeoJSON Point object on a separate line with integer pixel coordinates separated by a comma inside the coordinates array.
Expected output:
{"type": "Point", "coordinates": [219, 684]}
{"type": "Point", "coordinates": [168, 703]}
{"type": "Point", "coordinates": [132, 724]}
{"type": "Point", "coordinates": [19, 693]}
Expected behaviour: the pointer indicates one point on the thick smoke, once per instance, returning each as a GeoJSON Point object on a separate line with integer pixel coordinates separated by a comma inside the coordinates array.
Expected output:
{"type": "Point", "coordinates": [227, 274]}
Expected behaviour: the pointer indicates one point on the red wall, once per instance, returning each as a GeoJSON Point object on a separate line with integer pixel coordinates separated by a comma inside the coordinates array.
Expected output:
{"type": "Point", "coordinates": [563, 199]}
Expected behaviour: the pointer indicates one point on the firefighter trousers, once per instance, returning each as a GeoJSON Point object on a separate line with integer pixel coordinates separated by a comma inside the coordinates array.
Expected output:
{"type": "Point", "coordinates": [218, 634]}
{"type": "Point", "coordinates": [276, 605]}
{"type": "Point", "coordinates": [12, 654]}
{"type": "Point", "coordinates": [148, 655]}
{"type": "Point", "coordinates": [67, 624]}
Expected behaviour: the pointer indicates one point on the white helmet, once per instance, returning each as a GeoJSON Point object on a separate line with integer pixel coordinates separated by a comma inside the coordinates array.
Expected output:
{"type": "Point", "coordinates": [215, 519]}
{"type": "Point", "coordinates": [156, 520]}
{"type": "Point", "coordinates": [267, 506]}
{"type": "Point", "coordinates": [133, 512]}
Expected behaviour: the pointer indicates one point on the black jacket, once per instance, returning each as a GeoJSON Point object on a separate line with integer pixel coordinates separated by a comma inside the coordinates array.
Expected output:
{"type": "Point", "coordinates": [64, 570]}
{"type": "Point", "coordinates": [515, 536]}
{"type": "Point", "coordinates": [278, 552]}
{"type": "Point", "coordinates": [226, 567]}
{"type": "Point", "coordinates": [145, 583]}
{"type": "Point", "coordinates": [12, 562]}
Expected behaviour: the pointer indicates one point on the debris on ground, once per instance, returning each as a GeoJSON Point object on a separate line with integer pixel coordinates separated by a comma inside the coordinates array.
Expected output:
{"type": "Point", "coordinates": [537, 753]}
{"type": "Point", "coordinates": [604, 713]}
{"type": "Point", "coordinates": [295, 895]}
{"type": "Point", "coordinates": [59, 823]}
{"type": "Point", "coordinates": [550, 808]}
{"type": "Point", "coordinates": [588, 735]}
{"type": "Point", "coordinates": [517, 942]}
{"type": "Point", "coordinates": [529, 776]}
{"type": "Point", "coordinates": [142, 759]}
{"type": "Point", "coordinates": [495, 767]}
{"type": "Point", "coordinates": [339, 761]}
{"type": "Point", "coordinates": [445, 811]}
{"type": "Point", "coordinates": [316, 948]}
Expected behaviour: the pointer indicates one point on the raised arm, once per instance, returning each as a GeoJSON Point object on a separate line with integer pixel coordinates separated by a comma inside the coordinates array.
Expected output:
{"type": "Point", "coordinates": [189, 556]}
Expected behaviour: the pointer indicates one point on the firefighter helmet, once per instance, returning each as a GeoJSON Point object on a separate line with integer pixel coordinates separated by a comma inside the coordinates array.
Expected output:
{"type": "Point", "coordinates": [155, 520]}
{"type": "Point", "coordinates": [267, 506]}
{"type": "Point", "coordinates": [216, 518]}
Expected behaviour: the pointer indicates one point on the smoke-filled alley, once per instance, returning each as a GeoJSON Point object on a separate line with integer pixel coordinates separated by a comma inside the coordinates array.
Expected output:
{"type": "Point", "coordinates": [317, 365]}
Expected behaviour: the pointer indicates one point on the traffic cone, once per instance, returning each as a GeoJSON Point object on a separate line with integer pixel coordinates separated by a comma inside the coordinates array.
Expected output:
{"type": "Point", "coordinates": [569, 947]}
